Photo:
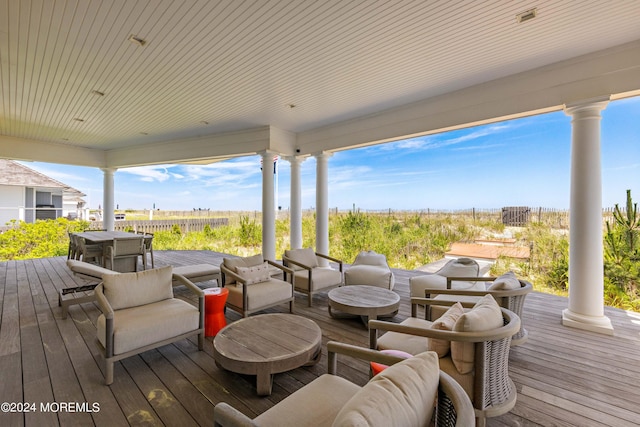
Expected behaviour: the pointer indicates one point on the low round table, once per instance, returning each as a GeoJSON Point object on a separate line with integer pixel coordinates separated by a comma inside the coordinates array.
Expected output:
{"type": "Point", "coordinates": [368, 302]}
{"type": "Point", "coordinates": [267, 344]}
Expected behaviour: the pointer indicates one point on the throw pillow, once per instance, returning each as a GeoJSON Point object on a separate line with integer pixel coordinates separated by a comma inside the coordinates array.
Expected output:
{"type": "Point", "coordinates": [507, 282]}
{"type": "Point", "coordinates": [255, 274]}
{"type": "Point", "coordinates": [484, 316]}
{"type": "Point", "coordinates": [446, 322]}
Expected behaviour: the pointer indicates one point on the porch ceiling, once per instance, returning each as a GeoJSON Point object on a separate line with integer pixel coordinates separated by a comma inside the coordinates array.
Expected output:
{"type": "Point", "coordinates": [215, 80]}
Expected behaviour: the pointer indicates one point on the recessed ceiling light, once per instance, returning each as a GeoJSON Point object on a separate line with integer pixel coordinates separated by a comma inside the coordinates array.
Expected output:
{"type": "Point", "coordinates": [97, 92]}
{"type": "Point", "coordinates": [137, 40]}
{"type": "Point", "coordinates": [78, 119]}
{"type": "Point", "coordinates": [527, 15]}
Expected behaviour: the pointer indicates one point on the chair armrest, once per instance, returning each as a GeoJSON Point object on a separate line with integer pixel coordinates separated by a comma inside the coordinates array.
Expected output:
{"type": "Point", "coordinates": [336, 260]}
{"type": "Point", "coordinates": [107, 310]}
{"type": "Point", "coordinates": [415, 301]}
{"type": "Point", "coordinates": [334, 348]}
{"type": "Point", "coordinates": [451, 393]}
{"type": "Point", "coordinates": [102, 301]}
{"type": "Point", "coordinates": [288, 260]}
{"type": "Point", "coordinates": [226, 272]}
{"type": "Point", "coordinates": [510, 328]}
{"type": "Point", "coordinates": [225, 415]}
{"type": "Point", "coordinates": [281, 267]}
{"type": "Point", "coordinates": [189, 284]}
{"type": "Point", "coordinates": [286, 270]}
{"type": "Point", "coordinates": [525, 287]}
{"type": "Point", "coordinates": [196, 290]}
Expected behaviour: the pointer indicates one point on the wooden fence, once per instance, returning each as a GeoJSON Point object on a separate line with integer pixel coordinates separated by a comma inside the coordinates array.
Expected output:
{"type": "Point", "coordinates": [516, 216]}
{"type": "Point", "coordinates": [186, 225]}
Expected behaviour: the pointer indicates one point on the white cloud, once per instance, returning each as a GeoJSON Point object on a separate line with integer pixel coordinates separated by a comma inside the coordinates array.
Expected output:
{"type": "Point", "coordinates": [158, 173]}
{"type": "Point", "coordinates": [432, 142]}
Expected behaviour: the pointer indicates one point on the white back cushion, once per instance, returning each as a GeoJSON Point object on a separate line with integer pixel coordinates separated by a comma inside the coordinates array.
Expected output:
{"type": "Point", "coordinates": [401, 395]}
{"type": "Point", "coordinates": [484, 316]}
{"type": "Point", "coordinates": [126, 290]}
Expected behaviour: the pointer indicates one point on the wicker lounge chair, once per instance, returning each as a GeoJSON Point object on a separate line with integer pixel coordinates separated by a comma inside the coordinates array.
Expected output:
{"type": "Point", "coordinates": [411, 392]}
{"type": "Point", "coordinates": [475, 356]}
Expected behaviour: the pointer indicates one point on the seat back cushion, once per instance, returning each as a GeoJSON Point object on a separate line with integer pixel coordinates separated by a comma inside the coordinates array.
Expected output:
{"type": "Point", "coordinates": [304, 256]}
{"type": "Point", "coordinates": [446, 322]}
{"type": "Point", "coordinates": [401, 395]}
{"type": "Point", "coordinates": [233, 264]}
{"type": "Point", "coordinates": [255, 274]}
{"type": "Point", "coordinates": [126, 290]}
{"type": "Point", "coordinates": [250, 261]}
{"type": "Point", "coordinates": [371, 258]}
{"type": "Point", "coordinates": [484, 316]}
{"type": "Point", "coordinates": [461, 267]}
{"type": "Point", "coordinates": [507, 282]}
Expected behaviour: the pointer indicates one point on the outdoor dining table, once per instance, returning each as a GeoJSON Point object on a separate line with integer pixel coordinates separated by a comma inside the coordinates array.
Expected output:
{"type": "Point", "coordinates": [105, 238]}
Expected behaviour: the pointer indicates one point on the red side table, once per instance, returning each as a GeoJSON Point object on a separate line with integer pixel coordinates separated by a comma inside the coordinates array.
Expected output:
{"type": "Point", "coordinates": [214, 320]}
{"type": "Point", "coordinates": [376, 368]}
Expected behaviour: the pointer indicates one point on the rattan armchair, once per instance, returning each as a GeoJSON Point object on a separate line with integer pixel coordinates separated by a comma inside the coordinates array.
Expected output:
{"type": "Point", "coordinates": [511, 299]}
{"type": "Point", "coordinates": [486, 382]}
{"type": "Point", "coordinates": [411, 392]}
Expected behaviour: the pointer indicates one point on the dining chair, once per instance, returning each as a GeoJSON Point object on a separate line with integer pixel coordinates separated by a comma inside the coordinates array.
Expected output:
{"type": "Point", "coordinates": [125, 248]}
{"type": "Point", "coordinates": [148, 248]}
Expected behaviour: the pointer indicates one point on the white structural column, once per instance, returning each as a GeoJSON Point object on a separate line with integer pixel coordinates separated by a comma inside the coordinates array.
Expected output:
{"type": "Point", "coordinates": [322, 205]}
{"type": "Point", "coordinates": [268, 207]}
{"type": "Point", "coordinates": [108, 197]}
{"type": "Point", "coordinates": [295, 216]}
{"type": "Point", "coordinates": [586, 272]}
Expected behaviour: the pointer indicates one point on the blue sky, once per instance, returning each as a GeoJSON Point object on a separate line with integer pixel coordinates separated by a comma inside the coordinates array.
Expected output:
{"type": "Point", "coordinates": [523, 162]}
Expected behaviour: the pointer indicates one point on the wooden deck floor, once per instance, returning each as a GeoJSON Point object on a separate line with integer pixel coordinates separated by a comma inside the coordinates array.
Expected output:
{"type": "Point", "coordinates": [564, 377]}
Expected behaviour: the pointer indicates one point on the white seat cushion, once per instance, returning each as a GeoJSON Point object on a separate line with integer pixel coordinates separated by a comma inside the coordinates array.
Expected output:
{"type": "Point", "coordinates": [148, 324]}
{"type": "Point", "coordinates": [321, 277]}
{"type": "Point", "coordinates": [261, 294]}
{"type": "Point", "coordinates": [316, 404]}
{"type": "Point", "coordinates": [411, 344]}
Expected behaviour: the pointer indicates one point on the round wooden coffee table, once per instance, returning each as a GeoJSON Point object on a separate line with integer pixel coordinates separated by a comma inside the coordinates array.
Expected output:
{"type": "Point", "coordinates": [267, 344]}
{"type": "Point", "coordinates": [368, 302]}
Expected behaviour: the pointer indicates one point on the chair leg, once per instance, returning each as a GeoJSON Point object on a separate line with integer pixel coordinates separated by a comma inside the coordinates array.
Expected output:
{"type": "Point", "coordinates": [201, 341]}
{"type": "Point", "coordinates": [108, 372]}
{"type": "Point", "coordinates": [152, 263]}
{"type": "Point", "coordinates": [310, 298]}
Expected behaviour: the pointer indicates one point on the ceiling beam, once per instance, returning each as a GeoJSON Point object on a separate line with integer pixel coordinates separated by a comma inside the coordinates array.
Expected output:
{"type": "Point", "coordinates": [609, 72]}
{"type": "Point", "coordinates": [32, 150]}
